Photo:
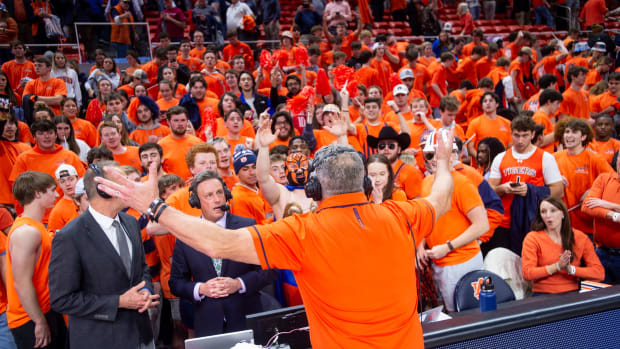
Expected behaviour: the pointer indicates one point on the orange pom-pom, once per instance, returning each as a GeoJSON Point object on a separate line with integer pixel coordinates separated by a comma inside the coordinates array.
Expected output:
{"type": "Point", "coordinates": [342, 75]}
{"type": "Point", "coordinates": [394, 80]}
{"type": "Point", "coordinates": [281, 58]}
{"type": "Point", "coordinates": [297, 104]}
{"type": "Point", "coordinates": [209, 119]}
{"type": "Point", "coordinates": [322, 83]}
{"type": "Point", "coordinates": [265, 60]}
{"type": "Point", "coordinates": [301, 56]}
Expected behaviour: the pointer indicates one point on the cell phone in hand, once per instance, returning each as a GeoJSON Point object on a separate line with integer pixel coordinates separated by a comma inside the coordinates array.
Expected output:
{"type": "Point", "coordinates": [516, 184]}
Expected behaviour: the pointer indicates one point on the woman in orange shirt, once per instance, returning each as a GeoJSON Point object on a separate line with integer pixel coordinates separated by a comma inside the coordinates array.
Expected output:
{"type": "Point", "coordinates": [553, 253]}
{"type": "Point", "coordinates": [381, 175]}
{"type": "Point", "coordinates": [167, 100]}
{"type": "Point", "coordinates": [179, 89]}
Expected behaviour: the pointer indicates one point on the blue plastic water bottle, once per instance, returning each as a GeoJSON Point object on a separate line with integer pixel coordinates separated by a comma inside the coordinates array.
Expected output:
{"type": "Point", "coordinates": [488, 299]}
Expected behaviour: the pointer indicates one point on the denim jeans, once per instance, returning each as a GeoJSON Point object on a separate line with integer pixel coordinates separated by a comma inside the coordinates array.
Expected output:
{"type": "Point", "coordinates": [543, 12]}
{"type": "Point", "coordinates": [6, 338]}
{"type": "Point", "coordinates": [475, 12]}
{"type": "Point", "coordinates": [611, 264]}
{"type": "Point", "coordinates": [489, 9]}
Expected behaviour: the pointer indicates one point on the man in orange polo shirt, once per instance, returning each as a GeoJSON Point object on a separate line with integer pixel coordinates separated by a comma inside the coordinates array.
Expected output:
{"type": "Point", "coordinates": [452, 245]}
{"type": "Point", "coordinates": [489, 124]}
{"type": "Point", "coordinates": [389, 143]}
{"type": "Point", "coordinates": [576, 101]}
{"type": "Point", "coordinates": [31, 320]}
{"type": "Point", "coordinates": [328, 266]}
{"type": "Point", "coordinates": [177, 143]}
{"type": "Point", "coordinates": [45, 88]}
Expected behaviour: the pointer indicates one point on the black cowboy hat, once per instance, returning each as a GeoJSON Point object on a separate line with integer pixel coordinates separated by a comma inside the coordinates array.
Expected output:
{"type": "Point", "coordinates": [388, 132]}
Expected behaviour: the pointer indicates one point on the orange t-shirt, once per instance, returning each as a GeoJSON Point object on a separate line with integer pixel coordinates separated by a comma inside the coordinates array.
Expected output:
{"type": "Point", "coordinates": [420, 76]}
{"type": "Point", "coordinates": [130, 157]}
{"type": "Point", "coordinates": [151, 68]}
{"type": "Point", "coordinates": [9, 151]}
{"type": "Point", "coordinates": [198, 53]}
{"type": "Point", "coordinates": [484, 66]}
{"type": "Point", "coordinates": [482, 127]}
{"type": "Point", "coordinates": [592, 77]}
{"type": "Point", "coordinates": [164, 106]}
{"type": "Point", "coordinates": [3, 243]}
{"type": "Point", "coordinates": [580, 171]}
{"type": "Point", "coordinates": [365, 129]}
{"type": "Point", "coordinates": [439, 78]}
{"type": "Point", "coordinates": [541, 118]}
{"type": "Point", "coordinates": [24, 133]}
{"type": "Point", "coordinates": [173, 160]}
{"type": "Point", "coordinates": [604, 101]}
{"type": "Point", "coordinates": [230, 180]}
{"type": "Point", "coordinates": [85, 131]}
{"type": "Point", "coordinates": [467, 70]}
{"type": "Point", "coordinates": [62, 213]}
{"type": "Point", "coordinates": [385, 70]}
{"type": "Point", "coordinates": [323, 137]}
{"type": "Point", "coordinates": [539, 251]}
{"type": "Point", "coordinates": [247, 130]}
{"type": "Point", "coordinates": [248, 203]}
{"type": "Point", "coordinates": [50, 88]}
{"type": "Point", "coordinates": [215, 83]}
{"type": "Point", "coordinates": [191, 62]}
{"type": "Point", "coordinates": [17, 71]}
{"type": "Point", "coordinates": [165, 247]}
{"type": "Point", "coordinates": [16, 315]}
{"type": "Point", "coordinates": [367, 75]}
{"type": "Point", "coordinates": [454, 222]}
{"type": "Point", "coordinates": [606, 187]}
{"type": "Point", "coordinates": [408, 178]}
{"type": "Point", "coordinates": [469, 48]}
{"type": "Point", "coordinates": [229, 51]}
{"type": "Point", "coordinates": [327, 267]}
{"type": "Point", "coordinates": [605, 149]}
{"type": "Point", "coordinates": [576, 104]}
{"type": "Point", "coordinates": [141, 135]}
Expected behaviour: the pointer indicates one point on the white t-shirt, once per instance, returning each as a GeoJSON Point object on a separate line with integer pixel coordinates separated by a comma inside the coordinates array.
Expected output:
{"type": "Point", "coordinates": [551, 172]}
{"type": "Point", "coordinates": [235, 13]}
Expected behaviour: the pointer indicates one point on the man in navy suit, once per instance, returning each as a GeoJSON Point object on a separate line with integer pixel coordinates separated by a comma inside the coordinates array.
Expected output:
{"type": "Point", "coordinates": [223, 291]}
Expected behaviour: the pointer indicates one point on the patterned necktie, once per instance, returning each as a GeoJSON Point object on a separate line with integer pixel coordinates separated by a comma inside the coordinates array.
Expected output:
{"type": "Point", "coordinates": [123, 247]}
{"type": "Point", "coordinates": [217, 264]}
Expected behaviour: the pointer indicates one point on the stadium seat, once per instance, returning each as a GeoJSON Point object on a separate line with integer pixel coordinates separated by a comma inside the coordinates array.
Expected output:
{"type": "Point", "coordinates": [468, 288]}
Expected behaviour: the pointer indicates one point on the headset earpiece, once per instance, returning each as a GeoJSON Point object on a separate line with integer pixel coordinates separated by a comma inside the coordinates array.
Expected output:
{"type": "Point", "coordinates": [368, 187]}
{"type": "Point", "coordinates": [313, 187]}
{"type": "Point", "coordinates": [194, 201]}
{"type": "Point", "coordinates": [98, 173]}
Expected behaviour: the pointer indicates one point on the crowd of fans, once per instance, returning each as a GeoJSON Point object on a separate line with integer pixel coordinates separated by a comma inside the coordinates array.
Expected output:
{"type": "Point", "coordinates": [536, 128]}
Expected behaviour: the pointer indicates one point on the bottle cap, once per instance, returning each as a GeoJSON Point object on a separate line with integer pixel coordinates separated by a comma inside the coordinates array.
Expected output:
{"type": "Point", "coordinates": [487, 284]}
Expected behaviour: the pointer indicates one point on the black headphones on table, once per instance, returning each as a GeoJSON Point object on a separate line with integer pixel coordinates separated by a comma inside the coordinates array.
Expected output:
{"type": "Point", "coordinates": [194, 201]}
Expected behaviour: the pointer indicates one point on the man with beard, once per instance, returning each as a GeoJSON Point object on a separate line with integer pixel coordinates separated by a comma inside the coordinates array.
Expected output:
{"type": "Point", "coordinates": [196, 102]}
{"type": "Point", "coordinates": [297, 171]}
{"type": "Point", "coordinates": [178, 142]}
{"type": "Point", "coordinates": [151, 153]}
{"type": "Point", "coordinates": [282, 128]}
{"type": "Point", "coordinates": [389, 143]}
{"type": "Point", "coordinates": [248, 201]}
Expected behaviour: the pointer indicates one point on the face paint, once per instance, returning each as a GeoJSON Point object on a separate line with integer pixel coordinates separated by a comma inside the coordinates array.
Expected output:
{"type": "Point", "coordinates": [297, 166]}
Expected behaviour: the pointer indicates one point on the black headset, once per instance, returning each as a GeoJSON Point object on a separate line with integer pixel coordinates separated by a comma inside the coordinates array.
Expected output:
{"type": "Point", "coordinates": [194, 201]}
{"type": "Point", "coordinates": [313, 187]}
{"type": "Point", "coordinates": [98, 173]}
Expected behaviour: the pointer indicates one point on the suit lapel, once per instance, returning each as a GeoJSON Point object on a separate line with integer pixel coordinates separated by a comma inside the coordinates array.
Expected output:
{"type": "Point", "coordinates": [102, 242]}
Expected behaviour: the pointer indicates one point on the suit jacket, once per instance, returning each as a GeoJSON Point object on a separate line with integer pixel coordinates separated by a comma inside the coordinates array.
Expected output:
{"type": "Point", "coordinates": [86, 279]}
{"type": "Point", "coordinates": [190, 266]}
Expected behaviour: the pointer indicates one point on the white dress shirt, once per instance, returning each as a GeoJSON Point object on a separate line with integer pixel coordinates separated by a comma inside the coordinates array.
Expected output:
{"type": "Point", "coordinates": [197, 296]}
{"type": "Point", "coordinates": [105, 223]}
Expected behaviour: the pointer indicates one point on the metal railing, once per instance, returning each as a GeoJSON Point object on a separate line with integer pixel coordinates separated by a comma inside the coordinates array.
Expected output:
{"type": "Point", "coordinates": [109, 24]}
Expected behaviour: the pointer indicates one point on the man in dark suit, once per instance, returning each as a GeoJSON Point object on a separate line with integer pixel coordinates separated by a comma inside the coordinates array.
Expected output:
{"type": "Point", "coordinates": [98, 275]}
{"type": "Point", "coordinates": [222, 291]}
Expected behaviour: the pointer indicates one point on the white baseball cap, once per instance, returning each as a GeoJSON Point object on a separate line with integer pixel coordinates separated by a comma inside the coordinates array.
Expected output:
{"type": "Point", "coordinates": [65, 170]}
{"type": "Point", "coordinates": [400, 89]}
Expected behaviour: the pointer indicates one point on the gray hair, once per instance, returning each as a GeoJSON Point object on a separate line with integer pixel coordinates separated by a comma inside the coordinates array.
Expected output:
{"type": "Point", "coordinates": [217, 140]}
{"type": "Point", "coordinates": [339, 169]}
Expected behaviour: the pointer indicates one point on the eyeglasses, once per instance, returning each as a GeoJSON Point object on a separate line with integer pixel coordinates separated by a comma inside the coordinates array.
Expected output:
{"type": "Point", "coordinates": [391, 146]}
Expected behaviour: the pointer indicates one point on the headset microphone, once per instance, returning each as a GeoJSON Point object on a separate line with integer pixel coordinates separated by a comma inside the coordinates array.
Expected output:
{"type": "Point", "coordinates": [224, 207]}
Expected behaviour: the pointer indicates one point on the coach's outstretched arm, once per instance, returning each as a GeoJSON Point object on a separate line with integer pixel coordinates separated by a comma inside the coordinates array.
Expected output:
{"type": "Point", "coordinates": [204, 236]}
